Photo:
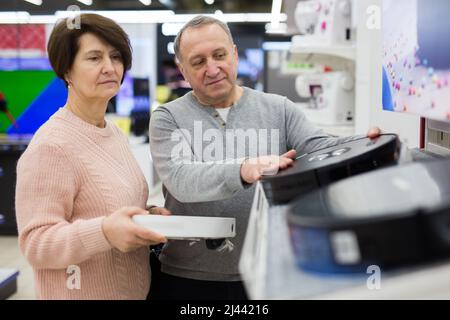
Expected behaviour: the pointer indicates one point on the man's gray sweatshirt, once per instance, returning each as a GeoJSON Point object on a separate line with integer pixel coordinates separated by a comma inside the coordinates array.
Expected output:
{"type": "Point", "coordinates": [198, 157]}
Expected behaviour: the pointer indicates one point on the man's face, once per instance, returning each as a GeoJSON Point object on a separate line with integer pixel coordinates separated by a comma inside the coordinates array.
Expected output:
{"type": "Point", "coordinates": [209, 63]}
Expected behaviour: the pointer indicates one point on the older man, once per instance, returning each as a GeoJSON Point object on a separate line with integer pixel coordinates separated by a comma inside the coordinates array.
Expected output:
{"type": "Point", "coordinates": [209, 147]}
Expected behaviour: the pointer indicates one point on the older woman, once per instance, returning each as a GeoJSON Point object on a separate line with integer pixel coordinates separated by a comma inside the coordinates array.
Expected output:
{"type": "Point", "coordinates": [78, 184]}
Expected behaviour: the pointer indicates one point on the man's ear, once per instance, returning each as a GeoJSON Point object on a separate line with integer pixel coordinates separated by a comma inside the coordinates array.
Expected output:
{"type": "Point", "coordinates": [180, 66]}
{"type": "Point", "coordinates": [236, 53]}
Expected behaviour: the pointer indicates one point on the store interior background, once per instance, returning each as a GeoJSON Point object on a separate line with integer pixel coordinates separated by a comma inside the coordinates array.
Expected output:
{"type": "Point", "coordinates": [269, 61]}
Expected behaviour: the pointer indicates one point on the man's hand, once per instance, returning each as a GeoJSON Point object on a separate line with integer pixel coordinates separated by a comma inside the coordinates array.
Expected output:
{"type": "Point", "coordinates": [374, 132]}
{"type": "Point", "coordinates": [158, 210]}
{"type": "Point", "coordinates": [123, 234]}
{"type": "Point", "coordinates": [253, 169]}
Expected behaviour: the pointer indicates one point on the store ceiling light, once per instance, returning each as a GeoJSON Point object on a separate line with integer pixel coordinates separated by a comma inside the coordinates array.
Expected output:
{"type": "Point", "coordinates": [276, 45]}
{"type": "Point", "coordinates": [42, 19]}
{"type": "Point", "coordinates": [36, 2]}
{"type": "Point", "coordinates": [146, 2]}
{"type": "Point", "coordinates": [174, 23]}
{"type": "Point", "coordinates": [171, 48]}
{"type": "Point", "coordinates": [210, 2]}
{"type": "Point", "coordinates": [86, 2]}
{"type": "Point", "coordinates": [12, 17]}
{"type": "Point", "coordinates": [171, 29]}
{"type": "Point", "coordinates": [228, 17]}
{"type": "Point", "coordinates": [279, 28]}
{"type": "Point", "coordinates": [138, 16]}
{"type": "Point", "coordinates": [129, 16]}
{"type": "Point", "coordinates": [23, 17]}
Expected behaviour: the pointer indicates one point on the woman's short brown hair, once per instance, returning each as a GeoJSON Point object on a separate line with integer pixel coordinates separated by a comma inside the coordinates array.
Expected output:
{"type": "Point", "coordinates": [63, 44]}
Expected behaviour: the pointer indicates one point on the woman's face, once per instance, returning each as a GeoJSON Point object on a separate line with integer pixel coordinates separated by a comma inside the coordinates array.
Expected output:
{"type": "Point", "coordinates": [97, 69]}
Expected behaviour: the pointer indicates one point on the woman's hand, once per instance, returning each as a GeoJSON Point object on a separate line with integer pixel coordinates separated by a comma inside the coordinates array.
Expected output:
{"type": "Point", "coordinates": [124, 235]}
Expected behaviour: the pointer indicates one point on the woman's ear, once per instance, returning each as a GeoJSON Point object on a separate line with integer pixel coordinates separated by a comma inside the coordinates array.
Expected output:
{"type": "Point", "coordinates": [67, 79]}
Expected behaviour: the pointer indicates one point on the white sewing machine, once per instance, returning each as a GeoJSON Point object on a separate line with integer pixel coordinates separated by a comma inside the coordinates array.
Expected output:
{"type": "Point", "coordinates": [324, 22]}
{"type": "Point", "coordinates": [332, 97]}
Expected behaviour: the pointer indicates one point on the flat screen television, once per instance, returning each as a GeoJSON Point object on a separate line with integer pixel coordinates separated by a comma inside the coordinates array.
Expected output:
{"type": "Point", "coordinates": [31, 96]}
{"type": "Point", "coordinates": [134, 94]}
{"type": "Point", "coordinates": [250, 68]}
{"type": "Point", "coordinates": [416, 57]}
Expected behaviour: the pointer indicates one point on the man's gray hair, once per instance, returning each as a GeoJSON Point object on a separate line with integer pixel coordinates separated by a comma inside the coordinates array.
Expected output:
{"type": "Point", "coordinates": [197, 22]}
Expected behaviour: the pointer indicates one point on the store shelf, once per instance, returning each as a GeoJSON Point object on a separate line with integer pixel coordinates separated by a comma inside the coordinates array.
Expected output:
{"type": "Point", "coordinates": [300, 46]}
{"type": "Point", "coordinates": [316, 117]}
{"type": "Point", "coordinates": [269, 270]}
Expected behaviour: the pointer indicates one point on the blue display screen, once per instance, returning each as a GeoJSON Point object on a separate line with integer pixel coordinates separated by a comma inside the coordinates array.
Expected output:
{"type": "Point", "coordinates": [416, 60]}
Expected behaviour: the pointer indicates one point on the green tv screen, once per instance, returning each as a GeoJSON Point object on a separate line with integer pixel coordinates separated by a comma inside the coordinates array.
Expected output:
{"type": "Point", "coordinates": [31, 98]}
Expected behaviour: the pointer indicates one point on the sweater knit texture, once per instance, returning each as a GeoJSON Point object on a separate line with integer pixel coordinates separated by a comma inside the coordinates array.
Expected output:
{"type": "Point", "coordinates": [71, 176]}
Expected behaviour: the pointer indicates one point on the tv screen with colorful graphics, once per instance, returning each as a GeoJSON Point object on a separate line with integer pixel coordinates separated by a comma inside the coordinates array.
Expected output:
{"type": "Point", "coordinates": [416, 58]}
{"type": "Point", "coordinates": [31, 97]}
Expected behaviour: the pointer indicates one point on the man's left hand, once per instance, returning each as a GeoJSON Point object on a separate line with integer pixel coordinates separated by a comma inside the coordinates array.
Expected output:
{"type": "Point", "coordinates": [158, 210]}
{"type": "Point", "coordinates": [374, 132]}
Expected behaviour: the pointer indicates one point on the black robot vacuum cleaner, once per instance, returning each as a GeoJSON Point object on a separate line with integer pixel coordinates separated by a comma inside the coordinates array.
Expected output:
{"type": "Point", "coordinates": [322, 167]}
{"type": "Point", "coordinates": [390, 217]}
